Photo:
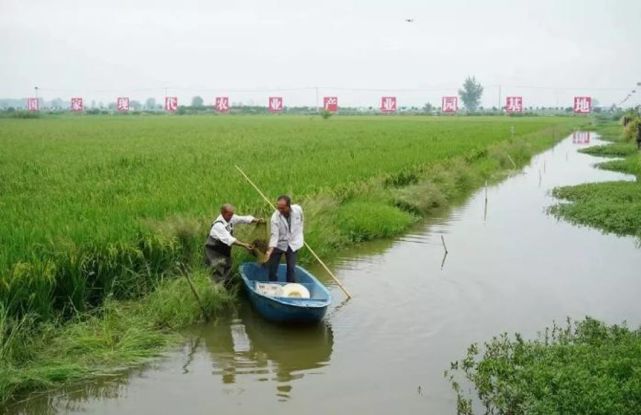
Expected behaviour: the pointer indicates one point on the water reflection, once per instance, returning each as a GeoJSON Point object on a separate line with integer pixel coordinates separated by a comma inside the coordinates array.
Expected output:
{"type": "Point", "coordinates": [74, 399]}
{"type": "Point", "coordinates": [581, 137]}
{"type": "Point", "coordinates": [237, 349]}
{"type": "Point", "coordinates": [244, 344]}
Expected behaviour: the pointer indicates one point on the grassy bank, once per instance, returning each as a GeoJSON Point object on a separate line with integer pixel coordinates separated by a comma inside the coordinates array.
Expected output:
{"type": "Point", "coordinates": [584, 368]}
{"type": "Point", "coordinates": [100, 216]}
{"type": "Point", "coordinates": [612, 206]}
{"type": "Point", "coordinates": [40, 355]}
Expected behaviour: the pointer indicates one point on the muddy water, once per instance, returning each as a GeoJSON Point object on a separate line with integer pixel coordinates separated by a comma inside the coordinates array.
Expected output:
{"type": "Point", "coordinates": [510, 268]}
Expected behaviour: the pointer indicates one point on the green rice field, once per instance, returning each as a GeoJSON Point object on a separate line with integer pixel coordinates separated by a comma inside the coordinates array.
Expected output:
{"type": "Point", "coordinates": [85, 200]}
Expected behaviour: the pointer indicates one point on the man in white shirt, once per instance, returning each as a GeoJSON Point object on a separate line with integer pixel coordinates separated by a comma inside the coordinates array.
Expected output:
{"type": "Point", "coordinates": [221, 239]}
{"type": "Point", "coordinates": [286, 237]}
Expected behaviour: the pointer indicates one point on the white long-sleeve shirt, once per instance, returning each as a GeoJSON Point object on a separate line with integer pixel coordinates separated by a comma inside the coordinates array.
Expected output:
{"type": "Point", "coordinates": [283, 235]}
{"type": "Point", "coordinates": [222, 230]}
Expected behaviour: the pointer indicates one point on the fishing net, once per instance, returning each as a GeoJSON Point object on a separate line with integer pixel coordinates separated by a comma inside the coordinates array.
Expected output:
{"type": "Point", "coordinates": [258, 237]}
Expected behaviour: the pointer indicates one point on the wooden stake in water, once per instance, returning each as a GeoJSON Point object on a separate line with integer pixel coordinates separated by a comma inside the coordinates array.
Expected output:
{"type": "Point", "coordinates": [539, 177]}
{"type": "Point", "coordinates": [485, 207]}
{"type": "Point", "coordinates": [444, 246]}
{"type": "Point", "coordinates": [445, 253]}
{"type": "Point", "coordinates": [320, 261]}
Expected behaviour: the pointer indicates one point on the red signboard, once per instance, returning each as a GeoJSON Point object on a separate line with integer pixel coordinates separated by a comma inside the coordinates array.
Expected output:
{"type": "Point", "coordinates": [275, 104]}
{"type": "Point", "coordinates": [330, 104]}
{"type": "Point", "coordinates": [449, 104]}
{"type": "Point", "coordinates": [582, 105]}
{"type": "Point", "coordinates": [122, 104]}
{"type": "Point", "coordinates": [76, 104]}
{"type": "Point", "coordinates": [388, 104]}
{"type": "Point", "coordinates": [222, 104]}
{"type": "Point", "coordinates": [514, 104]}
{"type": "Point", "coordinates": [33, 104]}
{"type": "Point", "coordinates": [171, 104]}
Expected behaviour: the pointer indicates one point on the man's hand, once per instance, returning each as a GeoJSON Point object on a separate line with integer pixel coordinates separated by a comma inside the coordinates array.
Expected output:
{"type": "Point", "coordinates": [268, 254]}
{"type": "Point", "coordinates": [260, 221]}
{"type": "Point", "coordinates": [249, 247]}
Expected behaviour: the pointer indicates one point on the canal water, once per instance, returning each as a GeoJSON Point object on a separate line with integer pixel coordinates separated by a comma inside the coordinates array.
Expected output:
{"type": "Point", "coordinates": [510, 267]}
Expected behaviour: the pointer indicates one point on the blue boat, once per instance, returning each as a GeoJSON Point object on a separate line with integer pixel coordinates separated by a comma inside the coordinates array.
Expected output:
{"type": "Point", "coordinates": [285, 309]}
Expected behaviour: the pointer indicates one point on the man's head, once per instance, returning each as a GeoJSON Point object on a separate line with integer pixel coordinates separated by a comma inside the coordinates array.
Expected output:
{"type": "Point", "coordinates": [284, 204]}
{"type": "Point", "coordinates": [227, 211]}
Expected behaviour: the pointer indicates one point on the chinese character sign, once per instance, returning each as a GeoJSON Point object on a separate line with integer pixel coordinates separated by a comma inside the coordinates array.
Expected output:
{"type": "Point", "coordinates": [514, 104]}
{"type": "Point", "coordinates": [330, 104]}
{"type": "Point", "coordinates": [122, 104]}
{"type": "Point", "coordinates": [222, 104]}
{"type": "Point", "coordinates": [77, 104]}
{"type": "Point", "coordinates": [582, 105]}
{"type": "Point", "coordinates": [388, 104]}
{"type": "Point", "coordinates": [275, 104]}
{"type": "Point", "coordinates": [33, 104]}
{"type": "Point", "coordinates": [171, 104]}
{"type": "Point", "coordinates": [449, 104]}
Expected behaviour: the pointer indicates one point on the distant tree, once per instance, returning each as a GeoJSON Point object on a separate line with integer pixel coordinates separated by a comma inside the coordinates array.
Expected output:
{"type": "Point", "coordinates": [471, 93]}
{"type": "Point", "coordinates": [197, 101]}
{"type": "Point", "coordinates": [57, 103]}
{"type": "Point", "coordinates": [150, 104]}
{"type": "Point", "coordinates": [326, 114]}
{"type": "Point", "coordinates": [428, 108]}
{"type": "Point", "coordinates": [135, 105]}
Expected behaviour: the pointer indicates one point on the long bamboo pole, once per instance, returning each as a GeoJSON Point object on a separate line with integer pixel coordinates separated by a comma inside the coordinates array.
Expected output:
{"type": "Point", "coordinates": [320, 261]}
{"type": "Point", "coordinates": [200, 303]}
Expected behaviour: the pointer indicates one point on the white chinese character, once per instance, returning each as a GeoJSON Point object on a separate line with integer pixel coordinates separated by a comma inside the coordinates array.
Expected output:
{"type": "Point", "coordinates": [222, 104]}
{"type": "Point", "coordinates": [389, 104]}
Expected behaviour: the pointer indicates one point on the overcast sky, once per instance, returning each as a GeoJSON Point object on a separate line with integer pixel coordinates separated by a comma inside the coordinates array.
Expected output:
{"type": "Point", "coordinates": [545, 50]}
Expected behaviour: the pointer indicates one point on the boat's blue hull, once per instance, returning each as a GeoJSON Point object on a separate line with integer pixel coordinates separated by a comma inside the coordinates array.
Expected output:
{"type": "Point", "coordinates": [286, 310]}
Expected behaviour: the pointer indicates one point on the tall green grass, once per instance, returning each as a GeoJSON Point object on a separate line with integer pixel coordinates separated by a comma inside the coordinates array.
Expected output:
{"type": "Point", "coordinates": [102, 342]}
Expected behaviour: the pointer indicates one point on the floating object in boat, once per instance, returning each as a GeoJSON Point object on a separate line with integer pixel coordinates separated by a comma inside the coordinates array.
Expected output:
{"type": "Point", "coordinates": [269, 289]}
{"type": "Point", "coordinates": [293, 290]}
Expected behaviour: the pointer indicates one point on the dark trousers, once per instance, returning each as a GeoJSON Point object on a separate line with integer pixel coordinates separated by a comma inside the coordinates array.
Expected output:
{"type": "Point", "coordinates": [290, 258]}
{"type": "Point", "coordinates": [219, 265]}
